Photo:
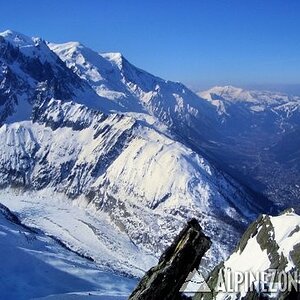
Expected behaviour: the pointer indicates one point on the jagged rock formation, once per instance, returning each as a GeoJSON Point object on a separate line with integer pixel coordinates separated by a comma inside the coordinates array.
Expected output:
{"type": "Point", "coordinates": [164, 280]}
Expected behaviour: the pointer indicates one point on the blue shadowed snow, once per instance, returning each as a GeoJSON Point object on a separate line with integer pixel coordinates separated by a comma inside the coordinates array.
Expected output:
{"type": "Point", "coordinates": [35, 266]}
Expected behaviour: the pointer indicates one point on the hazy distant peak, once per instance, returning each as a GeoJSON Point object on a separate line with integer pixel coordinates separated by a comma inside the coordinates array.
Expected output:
{"type": "Point", "coordinates": [227, 92]}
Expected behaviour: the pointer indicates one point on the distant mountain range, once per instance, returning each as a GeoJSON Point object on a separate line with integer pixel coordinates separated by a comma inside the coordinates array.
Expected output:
{"type": "Point", "coordinates": [261, 140]}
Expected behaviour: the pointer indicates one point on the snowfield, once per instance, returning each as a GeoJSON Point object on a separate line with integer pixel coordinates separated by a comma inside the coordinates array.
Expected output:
{"type": "Point", "coordinates": [89, 233]}
{"type": "Point", "coordinates": [35, 266]}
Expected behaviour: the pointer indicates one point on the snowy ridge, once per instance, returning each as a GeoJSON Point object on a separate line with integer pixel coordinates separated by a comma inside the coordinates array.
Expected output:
{"type": "Point", "coordinates": [135, 90]}
{"type": "Point", "coordinates": [79, 58]}
{"type": "Point", "coordinates": [269, 243]}
{"type": "Point", "coordinates": [116, 164]}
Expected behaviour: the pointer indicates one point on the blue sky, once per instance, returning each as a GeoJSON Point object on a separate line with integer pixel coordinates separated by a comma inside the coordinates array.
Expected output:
{"type": "Point", "coordinates": [198, 42]}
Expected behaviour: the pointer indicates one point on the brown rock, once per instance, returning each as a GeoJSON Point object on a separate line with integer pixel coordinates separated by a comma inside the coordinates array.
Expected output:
{"type": "Point", "coordinates": [164, 281]}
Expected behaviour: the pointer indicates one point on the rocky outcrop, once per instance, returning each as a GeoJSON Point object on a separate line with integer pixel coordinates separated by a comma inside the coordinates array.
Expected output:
{"type": "Point", "coordinates": [269, 244]}
{"type": "Point", "coordinates": [185, 253]}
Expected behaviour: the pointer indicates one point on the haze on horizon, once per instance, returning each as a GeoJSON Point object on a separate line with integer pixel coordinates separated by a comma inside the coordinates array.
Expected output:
{"type": "Point", "coordinates": [200, 43]}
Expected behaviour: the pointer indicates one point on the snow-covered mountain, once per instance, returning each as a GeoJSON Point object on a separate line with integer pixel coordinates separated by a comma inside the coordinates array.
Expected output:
{"type": "Point", "coordinates": [260, 143]}
{"type": "Point", "coordinates": [146, 183]}
{"type": "Point", "coordinates": [135, 90]}
{"type": "Point", "coordinates": [31, 71]}
{"type": "Point", "coordinates": [242, 131]}
{"type": "Point", "coordinates": [36, 266]}
{"type": "Point", "coordinates": [110, 137]}
{"type": "Point", "coordinates": [270, 243]}
{"type": "Point", "coordinates": [256, 101]}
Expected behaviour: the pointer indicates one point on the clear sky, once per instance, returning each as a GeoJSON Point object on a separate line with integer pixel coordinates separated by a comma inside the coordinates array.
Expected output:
{"type": "Point", "coordinates": [198, 42]}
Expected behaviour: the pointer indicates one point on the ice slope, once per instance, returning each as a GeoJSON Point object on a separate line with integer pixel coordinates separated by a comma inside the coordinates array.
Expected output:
{"type": "Point", "coordinates": [33, 265]}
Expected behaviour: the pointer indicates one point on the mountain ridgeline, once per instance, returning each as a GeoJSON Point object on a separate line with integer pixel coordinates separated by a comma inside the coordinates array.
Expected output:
{"type": "Point", "coordinates": [147, 152]}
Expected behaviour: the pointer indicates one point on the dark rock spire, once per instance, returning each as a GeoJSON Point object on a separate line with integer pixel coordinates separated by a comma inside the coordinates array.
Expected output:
{"type": "Point", "coordinates": [164, 281]}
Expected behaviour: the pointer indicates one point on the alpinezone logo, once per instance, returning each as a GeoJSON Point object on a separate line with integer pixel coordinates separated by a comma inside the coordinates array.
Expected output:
{"type": "Point", "coordinates": [195, 283]}
{"type": "Point", "coordinates": [270, 282]}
